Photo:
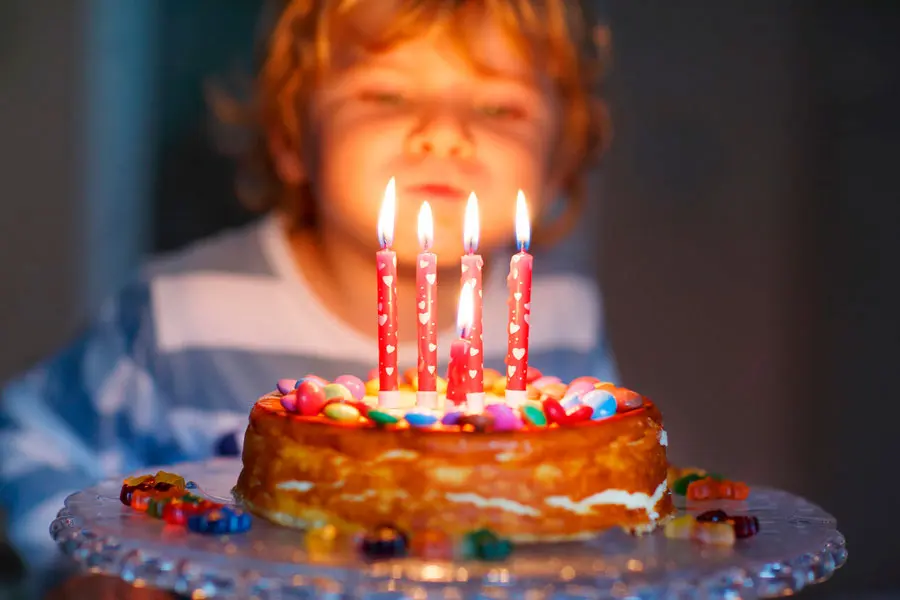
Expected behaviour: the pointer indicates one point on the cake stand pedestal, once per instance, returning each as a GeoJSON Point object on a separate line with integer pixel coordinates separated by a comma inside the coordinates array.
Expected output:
{"type": "Point", "coordinates": [798, 545]}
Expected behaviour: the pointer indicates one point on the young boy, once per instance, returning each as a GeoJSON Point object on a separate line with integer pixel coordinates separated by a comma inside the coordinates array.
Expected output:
{"type": "Point", "coordinates": [446, 97]}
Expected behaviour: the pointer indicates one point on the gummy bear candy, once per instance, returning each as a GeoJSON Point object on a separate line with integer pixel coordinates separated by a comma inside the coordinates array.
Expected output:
{"type": "Point", "coordinates": [170, 478]}
{"type": "Point", "coordinates": [680, 528]}
{"type": "Point", "coordinates": [385, 541]}
{"type": "Point", "coordinates": [220, 521]}
{"type": "Point", "coordinates": [718, 534]}
{"type": "Point", "coordinates": [486, 545]}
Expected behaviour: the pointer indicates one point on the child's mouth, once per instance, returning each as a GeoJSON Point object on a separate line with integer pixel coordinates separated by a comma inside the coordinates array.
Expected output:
{"type": "Point", "coordinates": [439, 191]}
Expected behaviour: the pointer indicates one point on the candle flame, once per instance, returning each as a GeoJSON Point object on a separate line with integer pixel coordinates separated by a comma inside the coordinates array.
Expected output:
{"type": "Point", "coordinates": [426, 227]}
{"type": "Point", "coordinates": [523, 223]}
{"type": "Point", "coordinates": [470, 225]}
{"type": "Point", "coordinates": [465, 315]}
{"type": "Point", "coordinates": [387, 215]}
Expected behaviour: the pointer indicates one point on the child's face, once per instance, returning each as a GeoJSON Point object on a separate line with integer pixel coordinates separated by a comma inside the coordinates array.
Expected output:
{"type": "Point", "coordinates": [422, 113]}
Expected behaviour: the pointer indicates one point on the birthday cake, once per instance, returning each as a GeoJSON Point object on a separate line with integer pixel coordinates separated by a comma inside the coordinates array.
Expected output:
{"type": "Point", "coordinates": [568, 461]}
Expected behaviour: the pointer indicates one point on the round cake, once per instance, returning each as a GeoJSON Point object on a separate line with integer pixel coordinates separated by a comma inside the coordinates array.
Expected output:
{"type": "Point", "coordinates": [560, 472]}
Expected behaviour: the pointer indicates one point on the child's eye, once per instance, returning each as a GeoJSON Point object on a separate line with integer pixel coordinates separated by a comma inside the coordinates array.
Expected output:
{"type": "Point", "coordinates": [386, 98]}
{"type": "Point", "coordinates": [502, 111]}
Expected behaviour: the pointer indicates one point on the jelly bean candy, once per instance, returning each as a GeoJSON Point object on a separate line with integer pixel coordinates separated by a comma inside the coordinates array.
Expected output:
{"type": "Point", "coordinates": [680, 486]}
{"type": "Point", "coordinates": [499, 387]}
{"type": "Point", "coordinates": [171, 478]}
{"type": "Point", "coordinates": [532, 374]}
{"type": "Point", "coordinates": [451, 418]}
{"type": "Point", "coordinates": [486, 545]}
{"type": "Point", "coordinates": [505, 419]}
{"type": "Point", "coordinates": [362, 407]}
{"type": "Point", "coordinates": [286, 385]}
{"type": "Point", "coordinates": [432, 544]}
{"type": "Point", "coordinates": [580, 386]}
{"type": "Point", "coordinates": [313, 378]}
{"type": "Point", "coordinates": [354, 384]}
{"type": "Point", "coordinates": [577, 415]}
{"type": "Point", "coordinates": [556, 391]}
{"type": "Point", "coordinates": [380, 417]}
{"type": "Point", "coordinates": [491, 377]}
{"type": "Point", "coordinates": [442, 385]}
{"type": "Point", "coordinates": [289, 401]}
{"type": "Point", "coordinates": [220, 521]}
{"type": "Point", "coordinates": [420, 419]}
{"type": "Point", "coordinates": [570, 401]}
{"type": "Point", "coordinates": [373, 374]}
{"type": "Point", "coordinates": [532, 393]}
{"type": "Point", "coordinates": [713, 516]}
{"type": "Point", "coordinates": [602, 403]}
{"type": "Point", "coordinates": [341, 412]}
{"type": "Point", "coordinates": [321, 540]}
{"type": "Point", "coordinates": [337, 391]}
{"type": "Point", "coordinates": [410, 376]}
{"type": "Point", "coordinates": [591, 381]}
{"type": "Point", "coordinates": [744, 526]}
{"type": "Point", "coordinates": [540, 383]}
{"type": "Point", "coordinates": [385, 541]}
{"type": "Point", "coordinates": [534, 416]}
{"type": "Point", "coordinates": [718, 534]}
{"type": "Point", "coordinates": [372, 387]}
{"type": "Point", "coordinates": [478, 423]}
{"type": "Point", "coordinates": [703, 489]}
{"type": "Point", "coordinates": [554, 411]}
{"type": "Point", "coordinates": [627, 399]}
{"type": "Point", "coordinates": [310, 398]}
{"type": "Point", "coordinates": [680, 528]}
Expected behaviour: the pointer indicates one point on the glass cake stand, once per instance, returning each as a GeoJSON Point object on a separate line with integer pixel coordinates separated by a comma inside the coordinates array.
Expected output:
{"type": "Point", "coordinates": [798, 545]}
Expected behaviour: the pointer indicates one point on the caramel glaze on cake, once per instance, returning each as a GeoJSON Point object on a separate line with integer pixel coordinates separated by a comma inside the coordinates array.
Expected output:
{"type": "Point", "coordinates": [532, 485]}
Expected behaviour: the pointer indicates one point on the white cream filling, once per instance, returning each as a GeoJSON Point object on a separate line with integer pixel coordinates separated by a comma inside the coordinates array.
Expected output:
{"type": "Point", "coordinates": [298, 486]}
{"type": "Point", "coordinates": [398, 454]}
{"type": "Point", "coordinates": [501, 503]}
{"type": "Point", "coordinates": [663, 438]}
{"type": "Point", "coordinates": [630, 500]}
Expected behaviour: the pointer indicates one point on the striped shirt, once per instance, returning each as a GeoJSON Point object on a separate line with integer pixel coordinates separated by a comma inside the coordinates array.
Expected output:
{"type": "Point", "coordinates": [171, 366]}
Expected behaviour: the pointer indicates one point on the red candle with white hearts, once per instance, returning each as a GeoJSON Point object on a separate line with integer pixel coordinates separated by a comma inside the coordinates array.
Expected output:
{"type": "Point", "coordinates": [472, 265]}
{"type": "Point", "coordinates": [519, 283]}
{"type": "Point", "coordinates": [459, 373]}
{"type": "Point", "coordinates": [426, 311]}
{"type": "Point", "coordinates": [386, 259]}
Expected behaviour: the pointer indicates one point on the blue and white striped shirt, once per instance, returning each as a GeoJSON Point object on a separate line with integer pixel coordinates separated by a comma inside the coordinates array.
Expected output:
{"type": "Point", "coordinates": [171, 366]}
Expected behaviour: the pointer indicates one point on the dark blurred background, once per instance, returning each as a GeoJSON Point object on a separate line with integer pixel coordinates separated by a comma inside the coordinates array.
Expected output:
{"type": "Point", "coordinates": [746, 222]}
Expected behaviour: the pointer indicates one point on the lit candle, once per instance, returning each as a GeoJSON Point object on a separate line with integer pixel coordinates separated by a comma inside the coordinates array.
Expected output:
{"type": "Point", "coordinates": [386, 258]}
{"type": "Point", "coordinates": [426, 309]}
{"type": "Point", "coordinates": [472, 266]}
{"type": "Point", "coordinates": [461, 373]}
{"type": "Point", "coordinates": [519, 283]}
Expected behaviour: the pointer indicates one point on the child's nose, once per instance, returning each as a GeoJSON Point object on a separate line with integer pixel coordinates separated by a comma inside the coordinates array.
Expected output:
{"type": "Point", "coordinates": [441, 137]}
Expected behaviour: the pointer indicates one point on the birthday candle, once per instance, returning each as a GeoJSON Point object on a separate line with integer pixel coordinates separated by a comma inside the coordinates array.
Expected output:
{"type": "Point", "coordinates": [472, 265]}
{"type": "Point", "coordinates": [426, 310]}
{"type": "Point", "coordinates": [459, 373]}
{"type": "Point", "coordinates": [519, 283]}
{"type": "Point", "coordinates": [386, 258]}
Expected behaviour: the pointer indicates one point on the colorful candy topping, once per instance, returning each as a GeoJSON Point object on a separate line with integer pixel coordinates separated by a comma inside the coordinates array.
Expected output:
{"type": "Point", "coordinates": [712, 527]}
{"type": "Point", "coordinates": [549, 403]}
{"type": "Point", "coordinates": [165, 496]}
{"type": "Point", "coordinates": [385, 541]}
